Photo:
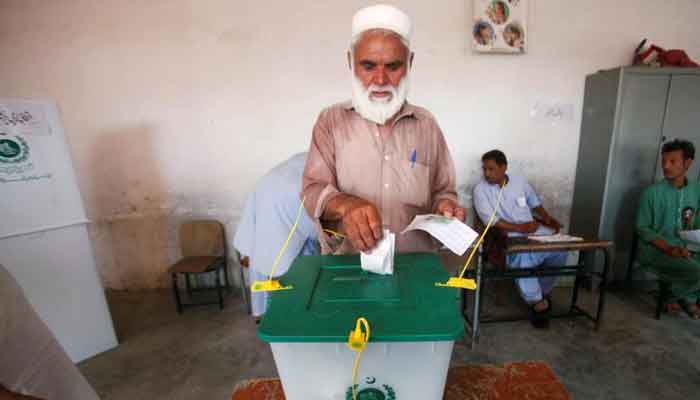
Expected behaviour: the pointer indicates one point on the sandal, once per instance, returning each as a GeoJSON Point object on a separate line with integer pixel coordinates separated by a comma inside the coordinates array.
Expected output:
{"type": "Point", "coordinates": [549, 303]}
{"type": "Point", "coordinates": [673, 308]}
{"type": "Point", "coordinates": [692, 309]}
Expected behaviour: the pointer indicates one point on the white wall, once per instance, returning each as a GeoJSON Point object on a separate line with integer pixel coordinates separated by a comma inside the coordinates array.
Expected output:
{"type": "Point", "coordinates": [175, 108]}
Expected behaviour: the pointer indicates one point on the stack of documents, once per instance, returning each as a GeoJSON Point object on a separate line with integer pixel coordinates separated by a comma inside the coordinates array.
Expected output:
{"type": "Point", "coordinates": [559, 237]}
{"type": "Point", "coordinates": [692, 239]}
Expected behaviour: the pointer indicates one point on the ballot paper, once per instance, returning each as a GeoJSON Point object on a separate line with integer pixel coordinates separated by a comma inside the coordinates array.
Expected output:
{"type": "Point", "coordinates": [380, 259]}
{"type": "Point", "coordinates": [451, 232]}
{"type": "Point", "coordinates": [559, 237]}
{"type": "Point", "coordinates": [543, 231]}
{"type": "Point", "coordinates": [692, 238]}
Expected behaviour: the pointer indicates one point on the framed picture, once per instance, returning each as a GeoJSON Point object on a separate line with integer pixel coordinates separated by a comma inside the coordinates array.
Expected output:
{"type": "Point", "coordinates": [499, 26]}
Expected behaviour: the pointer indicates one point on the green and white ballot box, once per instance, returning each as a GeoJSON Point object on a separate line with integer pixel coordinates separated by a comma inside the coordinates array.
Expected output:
{"type": "Point", "coordinates": [413, 327]}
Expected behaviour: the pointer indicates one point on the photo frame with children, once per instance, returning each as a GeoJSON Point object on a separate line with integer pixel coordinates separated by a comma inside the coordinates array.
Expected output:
{"type": "Point", "coordinates": [499, 26]}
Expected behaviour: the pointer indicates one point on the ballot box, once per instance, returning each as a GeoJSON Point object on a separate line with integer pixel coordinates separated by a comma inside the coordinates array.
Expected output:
{"type": "Point", "coordinates": [413, 326]}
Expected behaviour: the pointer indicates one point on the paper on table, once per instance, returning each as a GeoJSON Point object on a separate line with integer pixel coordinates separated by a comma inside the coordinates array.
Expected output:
{"type": "Point", "coordinates": [543, 231]}
{"type": "Point", "coordinates": [693, 237]}
{"type": "Point", "coordinates": [559, 237]}
{"type": "Point", "coordinates": [451, 232]}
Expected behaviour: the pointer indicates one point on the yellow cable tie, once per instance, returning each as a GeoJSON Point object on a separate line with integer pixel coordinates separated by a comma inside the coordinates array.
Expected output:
{"type": "Point", "coordinates": [461, 282]}
{"type": "Point", "coordinates": [334, 233]}
{"type": "Point", "coordinates": [357, 341]}
{"type": "Point", "coordinates": [455, 282]}
{"type": "Point", "coordinates": [268, 286]}
{"type": "Point", "coordinates": [272, 285]}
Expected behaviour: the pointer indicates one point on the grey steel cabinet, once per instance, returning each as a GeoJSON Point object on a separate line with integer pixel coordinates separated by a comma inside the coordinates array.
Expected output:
{"type": "Point", "coordinates": [627, 114]}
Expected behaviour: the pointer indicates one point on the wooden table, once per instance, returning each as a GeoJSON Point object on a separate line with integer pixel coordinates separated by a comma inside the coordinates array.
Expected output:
{"type": "Point", "coordinates": [525, 245]}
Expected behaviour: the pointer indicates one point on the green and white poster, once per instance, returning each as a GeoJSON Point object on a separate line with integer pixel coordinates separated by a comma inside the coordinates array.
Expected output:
{"type": "Point", "coordinates": [38, 189]}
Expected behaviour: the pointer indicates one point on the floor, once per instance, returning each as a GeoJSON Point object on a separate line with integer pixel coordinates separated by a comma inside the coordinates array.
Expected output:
{"type": "Point", "coordinates": [204, 352]}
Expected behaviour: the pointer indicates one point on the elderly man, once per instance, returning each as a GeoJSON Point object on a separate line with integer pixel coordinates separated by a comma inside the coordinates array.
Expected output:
{"type": "Point", "coordinates": [268, 216]}
{"type": "Point", "coordinates": [515, 217]}
{"type": "Point", "coordinates": [378, 161]}
{"type": "Point", "coordinates": [665, 209]}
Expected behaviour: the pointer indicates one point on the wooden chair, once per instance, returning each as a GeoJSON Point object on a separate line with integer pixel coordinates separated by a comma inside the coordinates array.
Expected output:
{"type": "Point", "coordinates": [494, 244]}
{"type": "Point", "coordinates": [664, 292]}
{"type": "Point", "coordinates": [494, 251]}
{"type": "Point", "coordinates": [203, 245]}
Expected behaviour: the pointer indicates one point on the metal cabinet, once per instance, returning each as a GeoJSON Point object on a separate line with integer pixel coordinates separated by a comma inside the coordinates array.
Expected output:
{"type": "Point", "coordinates": [627, 114]}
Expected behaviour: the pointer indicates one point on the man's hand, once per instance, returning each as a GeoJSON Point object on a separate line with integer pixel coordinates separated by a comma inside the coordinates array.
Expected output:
{"type": "Point", "coordinates": [448, 208]}
{"type": "Point", "coordinates": [360, 219]}
{"type": "Point", "coordinates": [529, 227]}
{"type": "Point", "coordinates": [547, 220]}
{"type": "Point", "coordinates": [551, 223]}
{"type": "Point", "coordinates": [362, 223]}
{"type": "Point", "coordinates": [245, 261]}
{"type": "Point", "coordinates": [672, 251]}
{"type": "Point", "coordinates": [679, 252]}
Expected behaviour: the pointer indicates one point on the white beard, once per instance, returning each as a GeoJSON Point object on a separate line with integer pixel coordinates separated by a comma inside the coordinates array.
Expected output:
{"type": "Point", "coordinates": [378, 111]}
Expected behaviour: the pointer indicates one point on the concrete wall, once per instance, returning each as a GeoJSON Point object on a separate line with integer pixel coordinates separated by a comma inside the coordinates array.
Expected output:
{"type": "Point", "coordinates": [174, 108]}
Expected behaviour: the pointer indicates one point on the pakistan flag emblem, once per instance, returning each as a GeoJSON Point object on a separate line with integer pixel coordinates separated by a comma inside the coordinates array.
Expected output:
{"type": "Point", "coordinates": [371, 390]}
{"type": "Point", "coordinates": [14, 150]}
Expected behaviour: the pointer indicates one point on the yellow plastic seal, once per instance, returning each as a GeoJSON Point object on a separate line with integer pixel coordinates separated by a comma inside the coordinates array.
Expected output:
{"type": "Point", "coordinates": [357, 341]}
{"type": "Point", "coordinates": [462, 283]}
{"type": "Point", "coordinates": [268, 286]}
{"type": "Point", "coordinates": [271, 285]}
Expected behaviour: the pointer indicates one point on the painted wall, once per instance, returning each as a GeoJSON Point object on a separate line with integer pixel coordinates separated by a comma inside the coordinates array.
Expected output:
{"type": "Point", "coordinates": [174, 108]}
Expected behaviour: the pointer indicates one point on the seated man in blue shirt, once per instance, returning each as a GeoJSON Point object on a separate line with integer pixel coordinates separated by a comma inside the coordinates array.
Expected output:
{"type": "Point", "coordinates": [515, 217]}
{"type": "Point", "coordinates": [268, 216]}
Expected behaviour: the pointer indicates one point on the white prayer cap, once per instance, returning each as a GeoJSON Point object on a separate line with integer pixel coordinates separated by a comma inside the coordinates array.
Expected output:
{"type": "Point", "coordinates": [382, 16]}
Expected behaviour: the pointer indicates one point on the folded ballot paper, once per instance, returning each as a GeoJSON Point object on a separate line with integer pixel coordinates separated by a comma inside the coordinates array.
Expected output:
{"type": "Point", "coordinates": [692, 239]}
{"type": "Point", "coordinates": [451, 232]}
{"type": "Point", "coordinates": [380, 259]}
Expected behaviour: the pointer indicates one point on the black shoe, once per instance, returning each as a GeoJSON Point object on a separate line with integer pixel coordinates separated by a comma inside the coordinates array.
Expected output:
{"type": "Point", "coordinates": [538, 319]}
{"type": "Point", "coordinates": [539, 322]}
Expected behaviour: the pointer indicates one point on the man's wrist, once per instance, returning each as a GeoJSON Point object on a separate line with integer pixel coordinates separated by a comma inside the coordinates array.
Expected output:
{"type": "Point", "coordinates": [338, 206]}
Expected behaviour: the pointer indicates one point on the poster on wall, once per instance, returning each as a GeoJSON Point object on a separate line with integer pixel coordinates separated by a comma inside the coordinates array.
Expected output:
{"type": "Point", "coordinates": [499, 26]}
{"type": "Point", "coordinates": [37, 181]}
{"type": "Point", "coordinates": [23, 118]}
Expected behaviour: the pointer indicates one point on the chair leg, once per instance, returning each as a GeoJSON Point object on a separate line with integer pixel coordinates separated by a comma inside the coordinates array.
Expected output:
{"type": "Point", "coordinates": [663, 294]}
{"type": "Point", "coordinates": [189, 285]}
{"type": "Point", "coordinates": [228, 284]}
{"type": "Point", "coordinates": [218, 287]}
{"type": "Point", "coordinates": [574, 292]}
{"type": "Point", "coordinates": [244, 290]}
{"type": "Point", "coordinates": [178, 303]}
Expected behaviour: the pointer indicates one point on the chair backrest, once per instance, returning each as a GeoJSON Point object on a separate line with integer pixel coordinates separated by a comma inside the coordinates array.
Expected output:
{"type": "Point", "coordinates": [202, 238]}
{"type": "Point", "coordinates": [494, 242]}
{"type": "Point", "coordinates": [479, 225]}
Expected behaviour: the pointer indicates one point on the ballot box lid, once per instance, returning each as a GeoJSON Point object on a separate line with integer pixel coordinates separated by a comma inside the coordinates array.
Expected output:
{"type": "Point", "coordinates": [329, 294]}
